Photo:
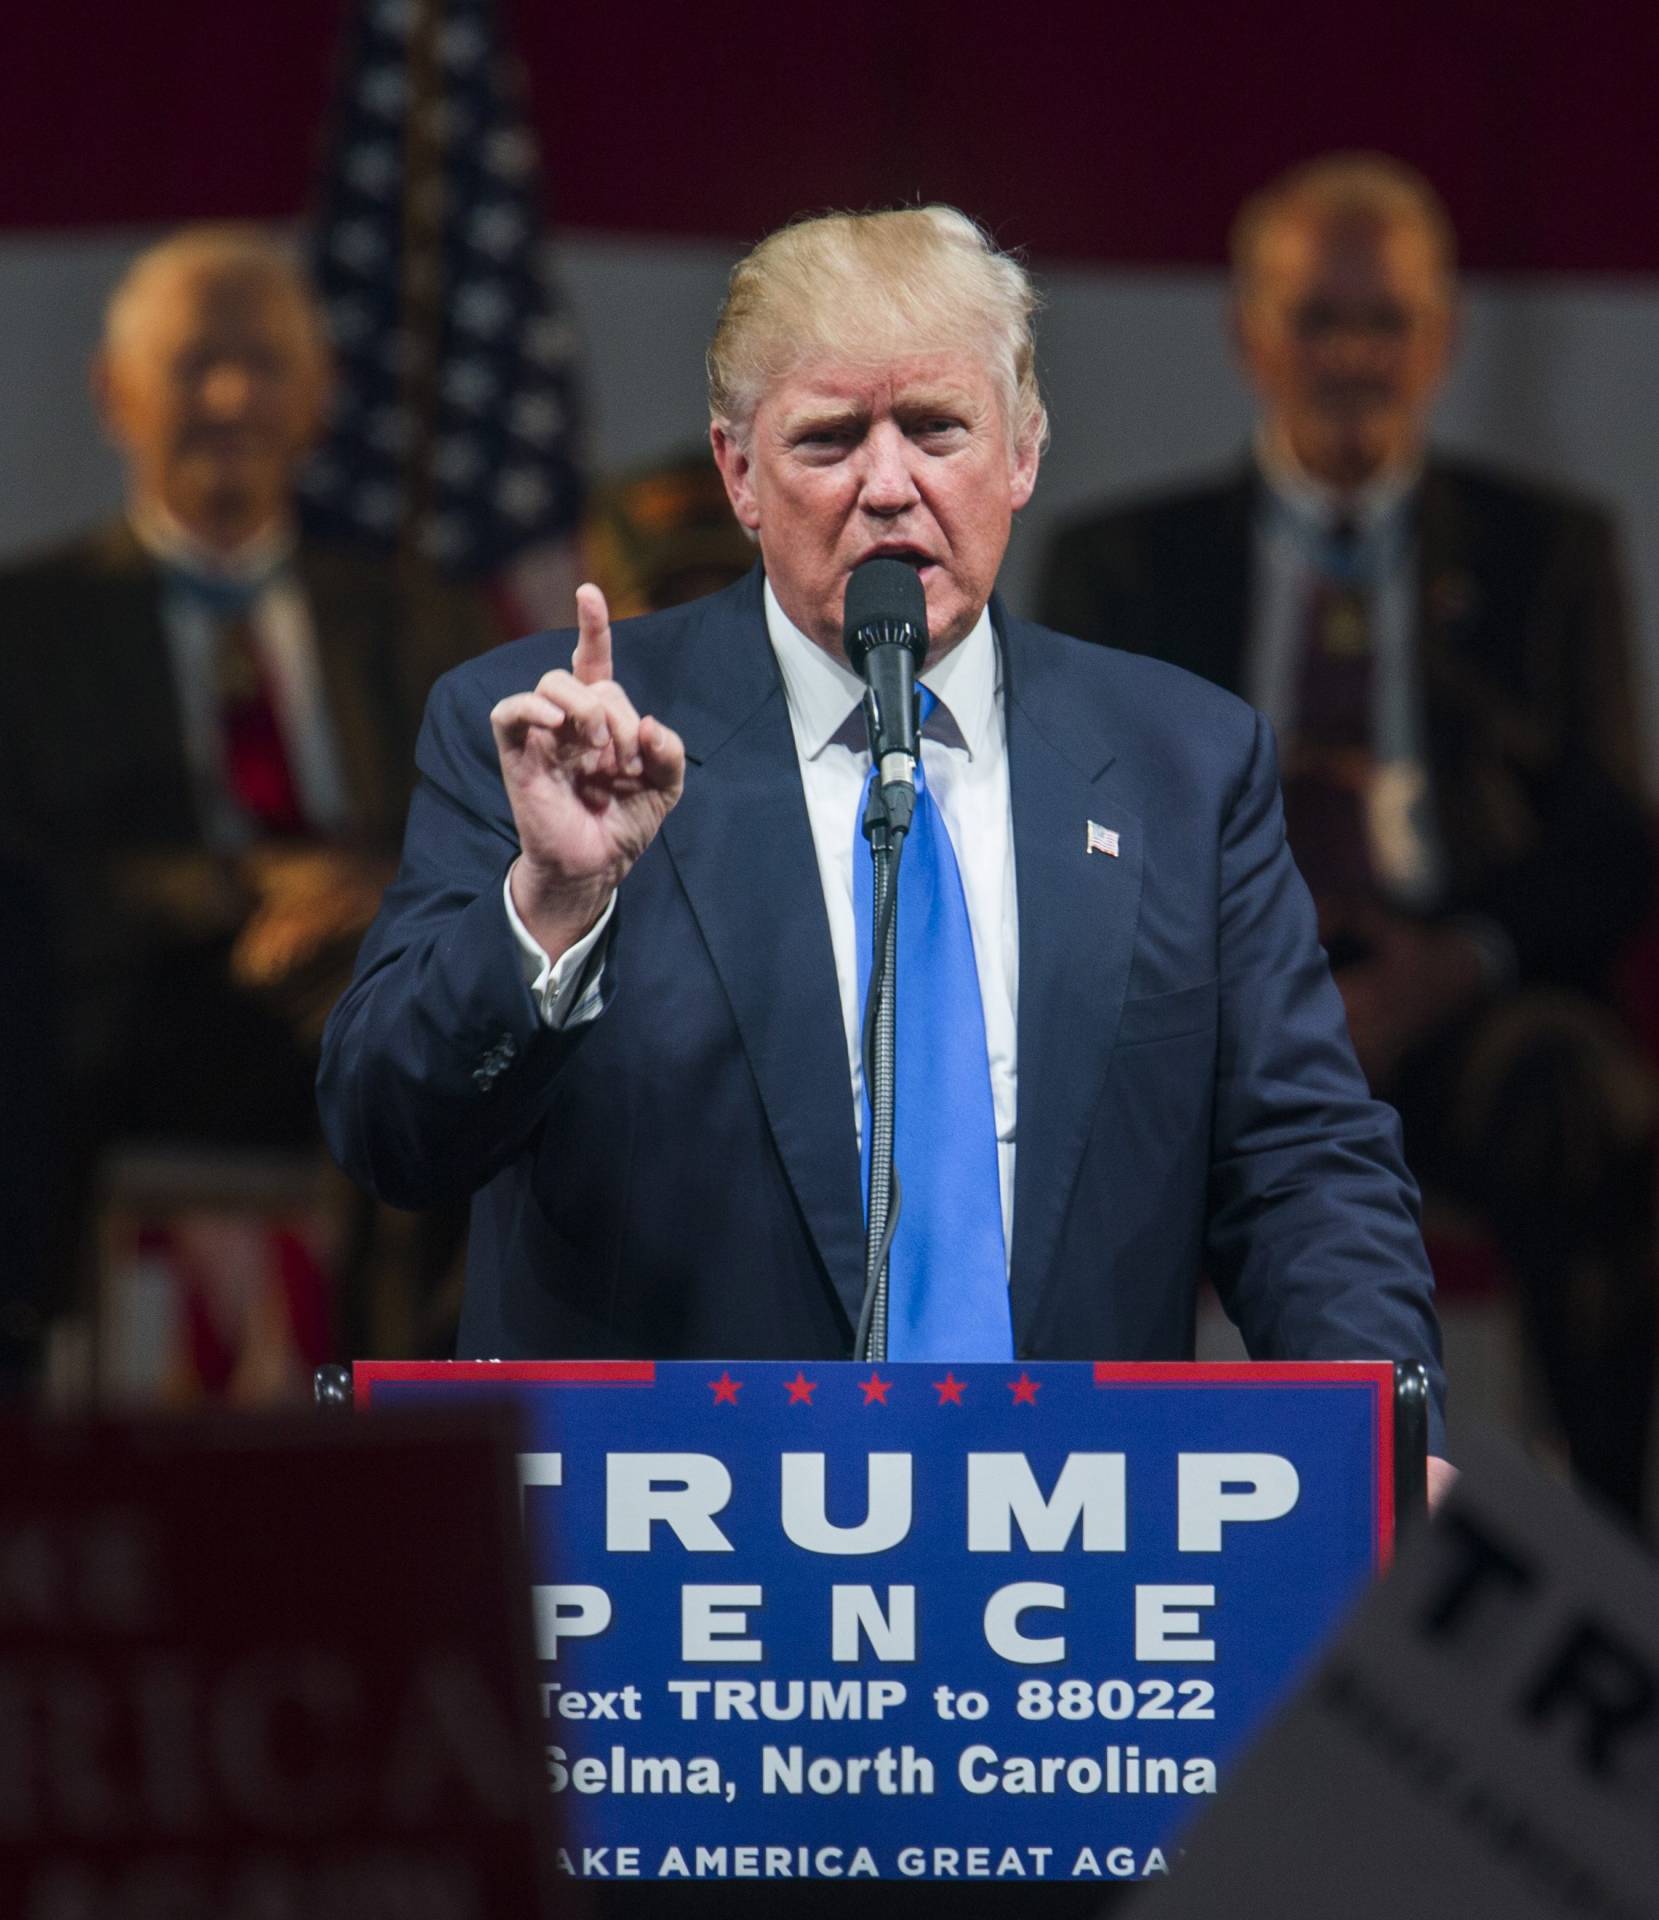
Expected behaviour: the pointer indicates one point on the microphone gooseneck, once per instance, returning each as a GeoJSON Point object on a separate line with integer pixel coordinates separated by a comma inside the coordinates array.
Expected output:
{"type": "Point", "coordinates": [884, 629]}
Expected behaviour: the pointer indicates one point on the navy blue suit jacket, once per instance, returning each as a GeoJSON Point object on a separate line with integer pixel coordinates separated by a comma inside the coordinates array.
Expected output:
{"type": "Point", "coordinates": [679, 1176]}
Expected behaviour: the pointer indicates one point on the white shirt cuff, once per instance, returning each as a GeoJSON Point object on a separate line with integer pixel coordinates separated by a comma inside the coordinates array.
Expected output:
{"type": "Point", "coordinates": [566, 990]}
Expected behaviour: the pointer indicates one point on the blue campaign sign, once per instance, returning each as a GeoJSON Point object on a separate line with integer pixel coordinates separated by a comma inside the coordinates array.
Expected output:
{"type": "Point", "coordinates": [921, 1622]}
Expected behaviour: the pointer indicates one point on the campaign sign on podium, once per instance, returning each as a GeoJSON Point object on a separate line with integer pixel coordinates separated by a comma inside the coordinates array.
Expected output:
{"type": "Point", "coordinates": [831, 1620]}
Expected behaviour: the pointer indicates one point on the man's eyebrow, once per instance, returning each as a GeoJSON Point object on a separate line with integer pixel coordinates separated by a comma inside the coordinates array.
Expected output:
{"type": "Point", "coordinates": [936, 400]}
{"type": "Point", "coordinates": [813, 415]}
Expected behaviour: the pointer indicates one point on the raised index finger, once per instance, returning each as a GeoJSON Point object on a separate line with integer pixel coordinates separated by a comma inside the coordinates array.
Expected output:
{"type": "Point", "coordinates": [592, 659]}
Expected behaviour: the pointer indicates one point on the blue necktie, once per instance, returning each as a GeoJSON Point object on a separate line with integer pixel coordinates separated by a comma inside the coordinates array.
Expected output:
{"type": "Point", "coordinates": [947, 1272]}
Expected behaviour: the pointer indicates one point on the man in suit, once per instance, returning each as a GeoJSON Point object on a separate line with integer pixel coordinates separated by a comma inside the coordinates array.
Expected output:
{"type": "Point", "coordinates": [1444, 653]}
{"type": "Point", "coordinates": [206, 724]}
{"type": "Point", "coordinates": [613, 992]}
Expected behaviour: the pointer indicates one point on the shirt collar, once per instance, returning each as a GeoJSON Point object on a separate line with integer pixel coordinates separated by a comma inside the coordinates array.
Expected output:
{"type": "Point", "coordinates": [248, 567]}
{"type": "Point", "coordinates": [821, 691]}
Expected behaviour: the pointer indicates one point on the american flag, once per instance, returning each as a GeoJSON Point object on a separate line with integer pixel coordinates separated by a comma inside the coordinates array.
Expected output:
{"type": "Point", "coordinates": [455, 428]}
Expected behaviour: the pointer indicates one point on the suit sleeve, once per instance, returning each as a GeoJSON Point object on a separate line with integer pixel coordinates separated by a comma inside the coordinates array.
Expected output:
{"type": "Point", "coordinates": [436, 1064]}
{"type": "Point", "coordinates": [1313, 1240]}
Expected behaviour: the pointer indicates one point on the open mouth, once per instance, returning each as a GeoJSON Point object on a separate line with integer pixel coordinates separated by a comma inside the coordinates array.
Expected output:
{"type": "Point", "coordinates": [911, 557]}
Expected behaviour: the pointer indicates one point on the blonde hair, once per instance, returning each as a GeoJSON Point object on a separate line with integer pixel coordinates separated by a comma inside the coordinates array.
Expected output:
{"type": "Point", "coordinates": [866, 287]}
{"type": "Point", "coordinates": [1371, 186]}
{"type": "Point", "coordinates": [222, 251]}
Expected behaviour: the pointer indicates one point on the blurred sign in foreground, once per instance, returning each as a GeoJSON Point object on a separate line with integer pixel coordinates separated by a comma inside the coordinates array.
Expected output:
{"type": "Point", "coordinates": [266, 1666]}
{"type": "Point", "coordinates": [1483, 1740]}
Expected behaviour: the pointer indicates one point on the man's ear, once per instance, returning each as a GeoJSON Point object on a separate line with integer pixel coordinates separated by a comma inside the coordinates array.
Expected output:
{"type": "Point", "coordinates": [737, 470]}
{"type": "Point", "coordinates": [1023, 478]}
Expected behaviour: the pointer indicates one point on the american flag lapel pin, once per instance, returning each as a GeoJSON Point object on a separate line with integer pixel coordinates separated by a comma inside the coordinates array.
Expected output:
{"type": "Point", "coordinates": [1101, 839]}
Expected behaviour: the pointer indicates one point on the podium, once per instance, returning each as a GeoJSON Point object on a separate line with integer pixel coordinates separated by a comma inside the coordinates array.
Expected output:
{"type": "Point", "coordinates": [991, 1622]}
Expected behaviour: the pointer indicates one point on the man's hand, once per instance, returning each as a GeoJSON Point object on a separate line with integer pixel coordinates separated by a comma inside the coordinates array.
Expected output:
{"type": "Point", "coordinates": [310, 900]}
{"type": "Point", "coordinates": [1414, 979]}
{"type": "Point", "coordinates": [589, 782]}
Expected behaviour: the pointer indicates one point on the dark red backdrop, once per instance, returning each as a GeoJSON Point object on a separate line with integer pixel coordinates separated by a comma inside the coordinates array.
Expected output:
{"type": "Point", "coordinates": [1112, 133]}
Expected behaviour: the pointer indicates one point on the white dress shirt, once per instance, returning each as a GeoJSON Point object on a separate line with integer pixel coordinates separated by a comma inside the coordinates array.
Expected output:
{"type": "Point", "coordinates": [965, 760]}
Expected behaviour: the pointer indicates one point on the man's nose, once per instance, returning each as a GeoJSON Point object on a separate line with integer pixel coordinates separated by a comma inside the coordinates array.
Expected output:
{"type": "Point", "coordinates": [226, 389]}
{"type": "Point", "coordinates": [889, 485]}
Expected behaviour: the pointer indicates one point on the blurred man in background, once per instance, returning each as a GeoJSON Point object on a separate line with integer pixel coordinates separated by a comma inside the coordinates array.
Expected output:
{"type": "Point", "coordinates": [206, 728]}
{"type": "Point", "coordinates": [1445, 655]}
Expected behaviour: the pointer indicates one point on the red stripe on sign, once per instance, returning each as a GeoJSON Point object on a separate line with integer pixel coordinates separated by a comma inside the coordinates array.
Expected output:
{"type": "Point", "coordinates": [1163, 1373]}
{"type": "Point", "coordinates": [366, 1375]}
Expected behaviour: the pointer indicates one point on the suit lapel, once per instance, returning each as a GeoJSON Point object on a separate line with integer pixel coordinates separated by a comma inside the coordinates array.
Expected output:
{"type": "Point", "coordinates": [742, 847]}
{"type": "Point", "coordinates": [1077, 917]}
{"type": "Point", "coordinates": [1235, 564]}
{"type": "Point", "coordinates": [124, 654]}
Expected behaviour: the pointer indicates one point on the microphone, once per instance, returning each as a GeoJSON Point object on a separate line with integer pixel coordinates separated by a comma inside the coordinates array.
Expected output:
{"type": "Point", "coordinates": [884, 630]}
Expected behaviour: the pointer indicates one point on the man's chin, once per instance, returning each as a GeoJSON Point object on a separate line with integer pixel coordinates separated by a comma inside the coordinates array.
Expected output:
{"type": "Point", "coordinates": [1351, 458]}
{"type": "Point", "coordinates": [949, 624]}
{"type": "Point", "coordinates": [227, 509]}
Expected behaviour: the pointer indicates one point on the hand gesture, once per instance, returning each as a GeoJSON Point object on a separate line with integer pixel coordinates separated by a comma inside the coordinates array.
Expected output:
{"type": "Point", "coordinates": [589, 782]}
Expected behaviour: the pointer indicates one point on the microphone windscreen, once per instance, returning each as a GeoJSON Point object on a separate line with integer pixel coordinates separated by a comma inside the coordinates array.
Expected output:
{"type": "Point", "coordinates": [886, 605]}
